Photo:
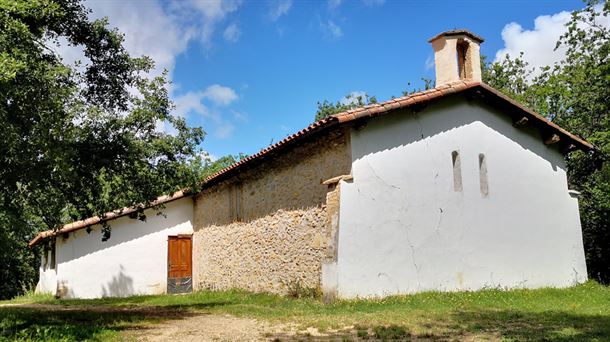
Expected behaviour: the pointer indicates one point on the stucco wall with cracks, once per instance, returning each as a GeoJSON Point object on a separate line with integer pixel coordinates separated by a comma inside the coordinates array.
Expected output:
{"type": "Point", "coordinates": [404, 228]}
{"type": "Point", "coordinates": [268, 227]}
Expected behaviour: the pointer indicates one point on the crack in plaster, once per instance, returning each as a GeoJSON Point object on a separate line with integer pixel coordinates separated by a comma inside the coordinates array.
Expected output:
{"type": "Point", "coordinates": [379, 178]}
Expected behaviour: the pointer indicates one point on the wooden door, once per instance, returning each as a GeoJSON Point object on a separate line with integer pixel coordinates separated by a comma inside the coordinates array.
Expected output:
{"type": "Point", "coordinates": [179, 264]}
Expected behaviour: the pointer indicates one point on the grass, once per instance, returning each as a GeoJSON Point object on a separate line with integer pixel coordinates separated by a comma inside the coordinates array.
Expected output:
{"type": "Point", "coordinates": [574, 314]}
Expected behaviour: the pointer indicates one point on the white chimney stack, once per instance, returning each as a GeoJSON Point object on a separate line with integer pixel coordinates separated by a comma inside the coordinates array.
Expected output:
{"type": "Point", "coordinates": [457, 56]}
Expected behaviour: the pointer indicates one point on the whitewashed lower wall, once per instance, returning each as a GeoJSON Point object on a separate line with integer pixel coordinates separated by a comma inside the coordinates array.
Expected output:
{"type": "Point", "coordinates": [132, 262]}
{"type": "Point", "coordinates": [404, 229]}
{"type": "Point", "coordinates": [47, 283]}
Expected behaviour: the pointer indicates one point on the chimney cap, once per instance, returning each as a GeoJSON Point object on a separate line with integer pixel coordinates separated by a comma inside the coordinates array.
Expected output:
{"type": "Point", "coordinates": [457, 32]}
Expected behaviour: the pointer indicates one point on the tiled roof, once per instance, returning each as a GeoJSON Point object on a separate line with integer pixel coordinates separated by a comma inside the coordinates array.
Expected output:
{"type": "Point", "coordinates": [458, 32]}
{"type": "Point", "coordinates": [77, 225]}
{"type": "Point", "coordinates": [479, 89]}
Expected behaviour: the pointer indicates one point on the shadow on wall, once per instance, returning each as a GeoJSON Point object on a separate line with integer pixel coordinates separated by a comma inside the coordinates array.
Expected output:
{"type": "Point", "coordinates": [121, 285]}
{"type": "Point", "coordinates": [446, 115]}
{"type": "Point", "coordinates": [124, 230]}
{"type": "Point", "coordinates": [291, 181]}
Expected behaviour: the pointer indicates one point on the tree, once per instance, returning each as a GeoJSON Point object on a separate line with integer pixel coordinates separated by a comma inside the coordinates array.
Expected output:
{"type": "Point", "coordinates": [574, 94]}
{"type": "Point", "coordinates": [209, 167]}
{"type": "Point", "coordinates": [77, 141]}
{"type": "Point", "coordinates": [350, 101]}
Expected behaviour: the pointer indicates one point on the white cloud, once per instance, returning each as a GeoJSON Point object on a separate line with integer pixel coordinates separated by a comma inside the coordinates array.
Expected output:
{"type": "Point", "coordinates": [162, 33]}
{"type": "Point", "coordinates": [216, 9]}
{"type": "Point", "coordinates": [352, 98]}
{"type": "Point", "coordinates": [232, 33]}
{"type": "Point", "coordinates": [191, 102]}
{"type": "Point", "coordinates": [278, 8]}
{"type": "Point", "coordinates": [372, 3]}
{"type": "Point", "coordinates": [538, 44]}
{"type": "Point", "coordinates": [213, 11]}
{"type": "Point", "coordinates": [331, 29]}
{"type": "Point", "coordinates": [149, 30]}
{"type": "Point", "coordinates": [220, 95]}
{"type": "Point", "coordinates": [206, 104]}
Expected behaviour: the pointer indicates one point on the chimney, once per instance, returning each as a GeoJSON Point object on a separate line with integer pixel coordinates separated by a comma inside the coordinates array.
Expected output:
{"type": "Point", "coordinates": [456, 56]}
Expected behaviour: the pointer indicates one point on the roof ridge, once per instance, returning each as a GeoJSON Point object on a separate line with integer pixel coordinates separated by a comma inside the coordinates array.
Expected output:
{"type": "Point", "coordinates": [441, 90]}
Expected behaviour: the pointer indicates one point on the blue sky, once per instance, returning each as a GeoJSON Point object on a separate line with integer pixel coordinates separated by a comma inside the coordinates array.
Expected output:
{"type": "Point", "coordinates": [251, 72]}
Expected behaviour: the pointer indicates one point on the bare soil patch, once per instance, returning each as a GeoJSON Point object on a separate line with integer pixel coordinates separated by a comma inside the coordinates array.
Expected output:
{"type": "Point", "coordinates": [203, 327]}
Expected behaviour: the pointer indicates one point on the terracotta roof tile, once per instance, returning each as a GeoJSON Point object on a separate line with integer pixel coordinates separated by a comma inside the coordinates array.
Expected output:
{"type": "Point", "coordinates": [390, 106]}
{"type": "Point", "coordinates": [76, 225]}
{"type": "Point", "coordinates": [447, 91]}
{"type": "Point", "coordinates": [458, 32]}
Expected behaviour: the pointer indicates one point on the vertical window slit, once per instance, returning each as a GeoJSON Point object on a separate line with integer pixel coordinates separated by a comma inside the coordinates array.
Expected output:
{"type": "Point", "coordinates": [457, 171]}
{"type": "Point", "coordinates": [484, 183]}
{"type": "Point", "coordinates": [238, 210]}
{"type": "Point", "coordinates": [53, 262]}
{"type": "Point", "coordinates": [46, 252]}
{"type": "Point", "coordinates": [462, 51]}
{"type": "Point", "coordinates": [235, 203]}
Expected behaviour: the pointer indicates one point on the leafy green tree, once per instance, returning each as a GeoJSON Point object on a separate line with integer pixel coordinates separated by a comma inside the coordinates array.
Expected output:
{"type": "Point", "coordinates": [207, 167]}
{"type": "Point", "coordinates": [327, 108]}
{"type": "Point", "coordinates": [575, 94]}
{"type": "Point", "coordinates": [428, 84]}
{"type": "Point", "coordinates": [77, 142]}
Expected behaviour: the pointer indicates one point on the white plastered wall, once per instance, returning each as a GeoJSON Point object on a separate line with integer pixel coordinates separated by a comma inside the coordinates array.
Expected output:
{"type": "Point", "coordinates": [47, 283]}
{"type": "Point", "coordinates": [404, 228]}
{"type": "Point", "coordinates": [132, 262]}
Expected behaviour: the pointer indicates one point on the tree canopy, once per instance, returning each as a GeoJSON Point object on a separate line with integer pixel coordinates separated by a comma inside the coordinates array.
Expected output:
{"type": "Point", "coordinates": [78, 141]}
{"type": "Point", "coordinates": [327, 108]}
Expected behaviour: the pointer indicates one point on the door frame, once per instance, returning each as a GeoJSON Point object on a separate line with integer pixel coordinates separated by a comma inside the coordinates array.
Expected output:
{"type": "Point", "coordinates": [180, 284]}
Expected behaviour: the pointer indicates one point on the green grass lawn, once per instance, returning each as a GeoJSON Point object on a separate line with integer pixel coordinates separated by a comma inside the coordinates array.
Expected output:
{"type": "Point", "coordinates": [580, 313]}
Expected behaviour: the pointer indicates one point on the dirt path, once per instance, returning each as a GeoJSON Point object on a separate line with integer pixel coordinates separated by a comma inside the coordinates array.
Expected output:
{"type": "Point", "coordinates": [178, 325]}
{"type": "Point", "coordinates": [205, 327]}
{"type": "Point", "coordinates": [217, 327]}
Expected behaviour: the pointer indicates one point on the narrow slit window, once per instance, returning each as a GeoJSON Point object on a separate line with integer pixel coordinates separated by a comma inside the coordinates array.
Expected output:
{"type": "Point", "coordinates": [235, 203]}
{"type": "Point", "coordinates": [45, 260]}
{"type": "Point", "coordinates": [238, 210]}
{"type": "Point", "coordinates": [457, 171]}
{"type": "Point", "coordinates": [53, 262]}
{"type": "Point", "coordinates": [462, 51]}
{"type": "Point", "coordinates": [484, 183]}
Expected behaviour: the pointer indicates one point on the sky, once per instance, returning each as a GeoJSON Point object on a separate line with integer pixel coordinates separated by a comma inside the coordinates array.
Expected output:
{"type": "Point", "coordinates": [251, 72]}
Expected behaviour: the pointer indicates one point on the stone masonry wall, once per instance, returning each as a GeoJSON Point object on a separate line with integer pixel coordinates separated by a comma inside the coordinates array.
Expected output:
{"type": "Point", "coordinates": [268, 227]}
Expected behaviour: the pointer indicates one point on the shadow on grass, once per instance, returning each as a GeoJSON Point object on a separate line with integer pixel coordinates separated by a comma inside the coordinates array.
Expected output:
{"type": "Point", "coordinates": [535, 326]}
{"type": "Point", "coordinates": [505, 325]}
{"type": "Point", "coordinates": [78, 323]}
